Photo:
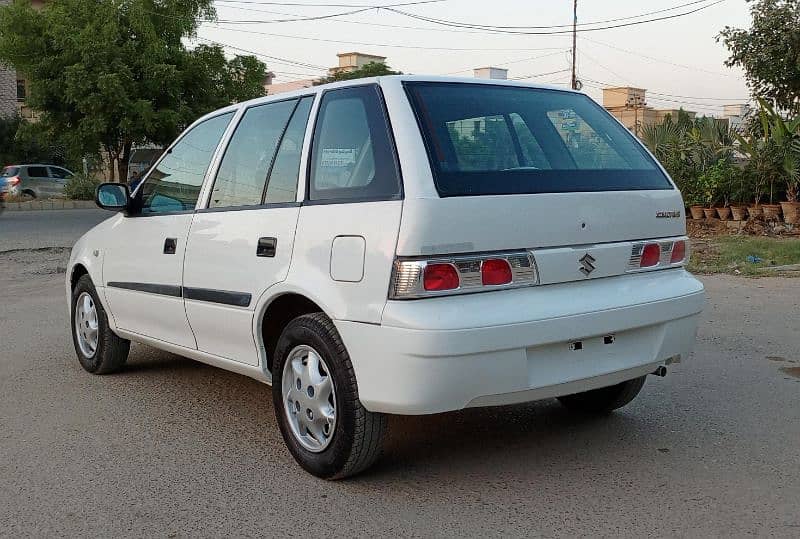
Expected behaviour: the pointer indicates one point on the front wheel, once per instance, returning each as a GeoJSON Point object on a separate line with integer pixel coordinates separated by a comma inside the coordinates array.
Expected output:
{"type": "Point", "coordinates": [99, 350]}
{"type": "Point", "coordinates": [605, 399]}
{"type": "Point", "coordinates": [315, 396]}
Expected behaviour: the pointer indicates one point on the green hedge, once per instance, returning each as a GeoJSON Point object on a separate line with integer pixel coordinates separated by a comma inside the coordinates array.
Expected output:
{"type": "Point", "coordinates": [81, 187]}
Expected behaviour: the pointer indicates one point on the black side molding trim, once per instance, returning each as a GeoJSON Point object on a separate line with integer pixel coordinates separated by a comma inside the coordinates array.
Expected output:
{"type": "Point", "coordinates": [225, 297]}
{"type": "Point", "coordinates": [161, 289]}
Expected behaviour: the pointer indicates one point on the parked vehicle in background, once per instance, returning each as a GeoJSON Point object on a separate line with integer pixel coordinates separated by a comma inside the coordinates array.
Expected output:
{"type": "Point", "coordinates": [35, 181]}
{"type": "Point", "coordinates": [397, 245]}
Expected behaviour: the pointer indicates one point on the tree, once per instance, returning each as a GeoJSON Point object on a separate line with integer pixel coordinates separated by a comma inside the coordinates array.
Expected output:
{"type": "Point", "coordinates": [372, 69]}
{"type": "Point", "coordinates": [769, 51]}
{"type": "Point", "coordinates": [110, 74]}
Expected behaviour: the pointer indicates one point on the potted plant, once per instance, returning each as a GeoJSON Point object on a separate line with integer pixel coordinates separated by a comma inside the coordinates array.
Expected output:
{"type": "Point", "coordinates": [740, 193]}
{"type": "Point", "coordinates": [791, 169]}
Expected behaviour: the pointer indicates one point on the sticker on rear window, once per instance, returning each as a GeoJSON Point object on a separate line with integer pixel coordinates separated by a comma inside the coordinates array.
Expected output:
{"type": "Point", "coordinates": [338, 157]}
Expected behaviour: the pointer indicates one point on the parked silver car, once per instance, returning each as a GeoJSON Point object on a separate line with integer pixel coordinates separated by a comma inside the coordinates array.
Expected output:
{"type": "Point", "coordinates": [34, 181]}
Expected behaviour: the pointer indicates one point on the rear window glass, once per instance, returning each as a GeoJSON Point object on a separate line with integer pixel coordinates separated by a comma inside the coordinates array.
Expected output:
{"type": "Point", "coordinates": [9, 171]}
{"type": "Point", "coordinates": [38, 172]}
{"type": "Point", "coordinates": [494, 140]}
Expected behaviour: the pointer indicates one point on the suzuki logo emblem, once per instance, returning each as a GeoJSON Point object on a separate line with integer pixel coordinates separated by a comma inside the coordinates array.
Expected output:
{"type": "Point", "coordinates": [587, 264]}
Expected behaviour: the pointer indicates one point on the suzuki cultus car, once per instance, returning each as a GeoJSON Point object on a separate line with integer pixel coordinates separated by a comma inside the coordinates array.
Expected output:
{"type": "Point", "coordinates": [398, 245]}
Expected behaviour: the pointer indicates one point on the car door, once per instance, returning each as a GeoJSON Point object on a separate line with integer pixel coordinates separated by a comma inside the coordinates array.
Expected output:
{"type": "Point", "coordinates": [241, 243]}
{"type": "Point", "coordinates": [38, 181]}
{"type": "Point", "coordinates": [58, 179]}
{"type": "Point", "coordinates": [143, 261]}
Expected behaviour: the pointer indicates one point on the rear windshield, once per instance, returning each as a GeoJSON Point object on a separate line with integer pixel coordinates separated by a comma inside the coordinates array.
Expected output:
{"type": "Point", "coordinates": [9, 171]}
{"type": "Point", "coordinates": [496, 140]}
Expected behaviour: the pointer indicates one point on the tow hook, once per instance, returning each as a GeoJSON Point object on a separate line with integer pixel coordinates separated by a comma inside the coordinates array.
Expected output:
{"type": "Point", "coordinates": [660, 371]}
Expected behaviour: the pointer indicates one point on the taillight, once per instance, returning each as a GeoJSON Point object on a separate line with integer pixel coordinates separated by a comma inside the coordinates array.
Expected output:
{"type": "Point", "coordinates": [495, 271]}
{"type": "Point", "coordinates": [443, 275]}
{"type": "Point", "coordinates": [650, 255]}
{"type": "Point", "coordinates": [12, 181]}
{"type": "Point", "coordinates": [439, 277]}
{"type": "Point", "coordinates": [678, 252]}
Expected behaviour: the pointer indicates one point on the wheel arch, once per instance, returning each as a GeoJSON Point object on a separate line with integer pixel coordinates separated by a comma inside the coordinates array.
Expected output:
{"type": "Point", "coordinates": [273, 316]}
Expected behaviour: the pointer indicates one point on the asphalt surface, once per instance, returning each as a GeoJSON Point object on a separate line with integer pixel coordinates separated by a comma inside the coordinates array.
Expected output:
{"type": "Point", "coordinates": [170, 447]}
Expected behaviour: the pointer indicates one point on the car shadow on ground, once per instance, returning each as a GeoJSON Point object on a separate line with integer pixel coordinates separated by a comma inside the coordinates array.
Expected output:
{"type": "Point", "coordinates": [540, 431]}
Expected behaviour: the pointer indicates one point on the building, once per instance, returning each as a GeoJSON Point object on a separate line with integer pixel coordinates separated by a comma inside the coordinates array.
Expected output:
{"type": "Point", "coordinates": [736, 114]}
{"type": "Point", "coordinates": [13, 85]}
{"type": "Point", "coordinates": [348, 62]}
{"type": "Point", "coordinates": [629, 105]}
{"type": "Point", "coordinates": [490, 73]}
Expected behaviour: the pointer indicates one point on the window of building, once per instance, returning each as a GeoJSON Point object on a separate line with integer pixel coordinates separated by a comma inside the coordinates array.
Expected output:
{"type": "Point", "coordinates": [22, 90]}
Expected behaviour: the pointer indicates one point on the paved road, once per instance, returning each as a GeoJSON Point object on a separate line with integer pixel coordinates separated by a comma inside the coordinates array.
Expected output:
{"type": "Point", "coordinates": [52, 228]}
{"type": "Point", "coordinates": [174, 448]}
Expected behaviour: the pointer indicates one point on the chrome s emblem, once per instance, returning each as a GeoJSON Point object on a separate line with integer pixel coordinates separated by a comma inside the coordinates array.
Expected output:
{"type": "Point", "coordinates": [673, 214]}
{"type": "Point", "coordinates": [587, 264]}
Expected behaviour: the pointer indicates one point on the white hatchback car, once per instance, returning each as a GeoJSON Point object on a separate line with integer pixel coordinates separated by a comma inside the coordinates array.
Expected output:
{"type": "Point", "coordinates": [398, 245]}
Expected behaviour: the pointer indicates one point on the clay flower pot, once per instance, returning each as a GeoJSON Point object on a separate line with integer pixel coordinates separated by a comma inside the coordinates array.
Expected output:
{"type": "Point", "coordinates": [710, 213]}
{"type": "Point", "coordinates": [772, 212]}
{"type": "Point", "coordinates": [697, 212]}
{"type": "Point", "coordinates": [738, 213]}
{"type": "Point", "coordinates": [724, 213]}
{"type": "Point", "coordinates": [756, 211]}
{"type": "Point", "coordinates": [791, 212]}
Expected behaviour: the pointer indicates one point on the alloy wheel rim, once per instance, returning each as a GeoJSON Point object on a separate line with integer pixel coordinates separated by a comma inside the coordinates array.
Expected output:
{"type": "Point", "coordinates": [86, 324]}
{"type": "Point", "coordinates": [309, 398]}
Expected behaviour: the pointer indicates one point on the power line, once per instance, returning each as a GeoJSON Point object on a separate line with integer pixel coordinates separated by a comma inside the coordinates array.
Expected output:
{"type": "Point", "coordinates": [301, 4]}
{"type": "Point", "coordinates": [274, 58]}
{"type": "Point", "coordinates": [500, 30]}
{"type": "Point", "coordinates": [393, 45]}
{"type": "Point", "coordinates": [540, 74]}
{"type": "Point", "coordinates": [559, 51]}
{"type": "Point", "coordinates": [655, 59]}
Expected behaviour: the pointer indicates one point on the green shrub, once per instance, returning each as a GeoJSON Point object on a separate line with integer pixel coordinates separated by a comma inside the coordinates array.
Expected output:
{"type": "Point", "coordinates": [81, 187]}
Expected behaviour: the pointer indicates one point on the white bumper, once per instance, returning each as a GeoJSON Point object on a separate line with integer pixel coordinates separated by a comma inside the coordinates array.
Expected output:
{"type": "Point", "coordinates": [441, 354]}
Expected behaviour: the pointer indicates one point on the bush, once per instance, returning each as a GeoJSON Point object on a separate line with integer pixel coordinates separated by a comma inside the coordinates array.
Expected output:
{"type": "Point", "coordinates": [81, 187]}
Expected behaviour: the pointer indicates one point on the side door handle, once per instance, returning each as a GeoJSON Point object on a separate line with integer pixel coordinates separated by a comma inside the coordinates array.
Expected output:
{"type": "Point", "coordinates": [267, 247]}
{"type": "Point", "coordinates": [170, 246]}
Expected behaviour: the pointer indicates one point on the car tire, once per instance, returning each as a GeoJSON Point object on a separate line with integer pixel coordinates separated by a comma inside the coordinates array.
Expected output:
{"type": "Point", "coordinates": [99, 350]}
{"type": "Point", "coordinates": [605, 399]}
{"type": "Point", "coordinates": [27, 194]}
{"type": "Point", "coordinates": [310, 354]}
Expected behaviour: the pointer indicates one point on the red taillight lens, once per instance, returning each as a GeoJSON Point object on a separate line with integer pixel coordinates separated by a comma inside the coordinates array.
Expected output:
{"type": "Point", "coordinates": [440, 277]}
{"type": "Point", "coordinates": [495, 271]}
{"type": "Point", "coordinates": [678, 252]}
{"type": "Point", "coordinates": [650, 255]}
{"type": "Point", "coordinates": [13, 181]}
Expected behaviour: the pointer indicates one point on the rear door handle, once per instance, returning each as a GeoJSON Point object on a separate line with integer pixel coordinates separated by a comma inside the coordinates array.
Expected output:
{"type": "Point", "coordinates": [267, 247]}
{"type": "Point", "coordinates": [170, 246]}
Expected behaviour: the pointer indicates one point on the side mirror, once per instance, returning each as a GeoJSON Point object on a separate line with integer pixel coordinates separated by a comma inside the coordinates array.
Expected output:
{"type": "Point", "coordinates": [112, 196]}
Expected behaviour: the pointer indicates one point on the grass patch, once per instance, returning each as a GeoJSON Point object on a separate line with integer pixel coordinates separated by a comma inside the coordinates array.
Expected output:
{"type": "Point", "coordinates": [728, 254]}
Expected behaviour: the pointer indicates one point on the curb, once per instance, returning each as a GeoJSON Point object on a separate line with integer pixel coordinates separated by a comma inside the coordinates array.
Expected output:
{"type": "Point", "coordinates": [51, 204]}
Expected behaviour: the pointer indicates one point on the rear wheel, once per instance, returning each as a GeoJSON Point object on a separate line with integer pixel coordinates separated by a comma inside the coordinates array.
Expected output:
{"type": "Point", "coordinates": [605, 399]}
{"type": "Point", "coordinates": [315, 396]}
{"type": "Point", "coordinates": [99, 350]}
{"type": "Point", "coordinates": [27, 195]}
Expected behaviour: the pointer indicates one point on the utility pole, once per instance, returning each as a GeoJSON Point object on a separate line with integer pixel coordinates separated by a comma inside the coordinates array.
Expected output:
{"type": "Point", "coordinates": [635, 102]}
{"type": "Point", "coordinates": [574, 43]}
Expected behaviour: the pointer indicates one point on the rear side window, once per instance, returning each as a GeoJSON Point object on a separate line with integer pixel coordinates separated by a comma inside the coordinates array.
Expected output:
{"type": "Point", "coordinates": [37, 172]}
{"type": "Point", "coordinates": [352, 154]}
{"type": "Point", "coordinates": [174, 184]}
{"type": "Point", "coordinates": [9, 171]}
{"type": "Point", "coordinates": [282, 182]}
{"type": "Point", "coordinates": [244, 169]}
{"type": "Point", "coordinates": [59, 173]}
{"type": "Point", "coordinates": [494, 140]}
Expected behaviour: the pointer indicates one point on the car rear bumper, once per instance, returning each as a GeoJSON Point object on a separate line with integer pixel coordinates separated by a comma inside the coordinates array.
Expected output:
{"type": "Point", "coordinates": [442, 354]}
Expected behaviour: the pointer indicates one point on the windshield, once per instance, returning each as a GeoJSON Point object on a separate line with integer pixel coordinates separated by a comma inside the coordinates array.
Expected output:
{"type": "Point", "coordinates": [9, 171]}
{"type": "Point", "coordinates": [493, 140]}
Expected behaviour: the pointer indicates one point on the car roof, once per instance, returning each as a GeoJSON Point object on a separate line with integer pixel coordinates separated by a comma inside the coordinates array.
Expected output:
{"type": "Point", "coordinates": [378, 80]}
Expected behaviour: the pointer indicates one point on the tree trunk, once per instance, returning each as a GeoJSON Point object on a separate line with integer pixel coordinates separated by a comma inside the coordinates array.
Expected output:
{"type": "Point", "coordinates": [122, 162]}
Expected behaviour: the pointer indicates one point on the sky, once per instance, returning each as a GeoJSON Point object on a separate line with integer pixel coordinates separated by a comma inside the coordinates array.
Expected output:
{"type": "Point", "coordinates": [677, 60]}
